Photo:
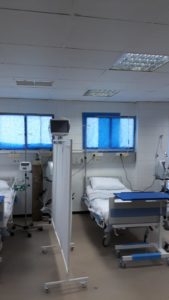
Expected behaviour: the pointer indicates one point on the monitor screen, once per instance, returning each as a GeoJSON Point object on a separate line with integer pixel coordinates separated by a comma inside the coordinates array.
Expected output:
{"type": "Point", "coordinates": [59, 127]}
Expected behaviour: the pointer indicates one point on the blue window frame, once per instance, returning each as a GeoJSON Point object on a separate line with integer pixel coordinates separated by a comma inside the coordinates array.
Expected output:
{"type": "Point", "coordinates": [108, 132]}
{"type": "Point", "coordinates": [19, 132]}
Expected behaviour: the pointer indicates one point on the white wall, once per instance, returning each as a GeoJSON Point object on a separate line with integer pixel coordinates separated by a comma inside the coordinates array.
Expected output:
{"type": "Point", "coordinates": [152, 121]}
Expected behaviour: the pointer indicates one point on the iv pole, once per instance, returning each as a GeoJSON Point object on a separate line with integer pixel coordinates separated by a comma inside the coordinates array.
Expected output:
{"type": "Point", "coordinates": [26, 227]}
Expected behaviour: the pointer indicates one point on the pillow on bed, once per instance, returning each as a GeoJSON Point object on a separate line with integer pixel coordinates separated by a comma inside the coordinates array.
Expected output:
{"type": "Point", "coordinates": [106, 183]}
{"type": "Point", "coordinates": [4, 185]}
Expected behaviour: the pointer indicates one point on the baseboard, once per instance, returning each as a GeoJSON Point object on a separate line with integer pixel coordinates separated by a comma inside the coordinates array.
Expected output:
{"type": "Point", "coordinates": [80, 212]}
{"type": "Point", "coordinates": [74, 213]}
{"type": "Point", "coordinates": [22, 216]}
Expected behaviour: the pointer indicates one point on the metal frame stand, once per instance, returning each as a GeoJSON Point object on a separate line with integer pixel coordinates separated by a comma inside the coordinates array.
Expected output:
{"type": "Point", "coordinates": [158, 254]}
{"type": "Point", "coordinates": [27, 227]}
{"type": "Point", "coordinates": [82, 280]}
{"type": "Point", "coordinates": [45, 248]}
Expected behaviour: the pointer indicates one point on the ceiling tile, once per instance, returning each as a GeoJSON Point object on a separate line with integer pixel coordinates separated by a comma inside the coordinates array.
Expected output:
{"type": "Point", "coordinates": [136, 10]}
{"type": "Point", "coordinates": [59, 6]}
{"type": "Point", "coordinates": [55, 57]}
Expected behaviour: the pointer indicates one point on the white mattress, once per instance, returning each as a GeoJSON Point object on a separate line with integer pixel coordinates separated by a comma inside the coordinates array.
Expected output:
{"type": "Point", "coordinates": [102, 194]}
{"type": "Point", "coordinates": [98, 201]}
{"type": "Point", "coordinates": [8, 204]}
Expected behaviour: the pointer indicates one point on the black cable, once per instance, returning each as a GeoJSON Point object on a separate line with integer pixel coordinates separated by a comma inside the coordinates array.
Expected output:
{"type": "Point", "coordinates": [150, 185]}
{"type": "Point", "coordinates": [80, 169]}
{"type": "Point", "coordinates": [125, 172]}
{"type": "Point", "coordinates": [159, 145]}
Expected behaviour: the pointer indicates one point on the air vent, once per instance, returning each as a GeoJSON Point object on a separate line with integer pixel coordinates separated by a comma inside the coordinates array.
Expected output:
{"type": "Point", "coordinates": [34, 83]}
{"type": "Point", "coordinates": [100, 93]}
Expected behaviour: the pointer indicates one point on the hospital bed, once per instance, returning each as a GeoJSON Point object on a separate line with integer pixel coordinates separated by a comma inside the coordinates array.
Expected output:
{"type": "Point", "coordinates": [7, 196]}
{"type": "Point", "coordinates": [96, 198]}
{"type": "Point", "coordinates": [7, 190]}
{"type": "Point", "coordinates": [1, 223]}
{"type": "Point", "coordinates": [126, 209]}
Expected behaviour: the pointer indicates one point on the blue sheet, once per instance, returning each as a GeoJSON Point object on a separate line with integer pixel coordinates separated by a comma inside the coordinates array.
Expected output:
{"type": "Point", "coordinates": [139, 196]}
{"type": "Point", "coordinates": [1, 199]}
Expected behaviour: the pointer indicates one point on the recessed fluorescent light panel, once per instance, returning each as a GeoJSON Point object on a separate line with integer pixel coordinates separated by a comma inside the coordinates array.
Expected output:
{"type": "Point", "coordinates": [139, 62]}
{"type": "Point", "coordinates": [100, 93]}
{"type": "Point", "coordinates": [34, 83]}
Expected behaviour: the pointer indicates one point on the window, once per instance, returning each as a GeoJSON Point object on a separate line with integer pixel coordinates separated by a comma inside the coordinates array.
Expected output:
{"type": "Point", "coordinates": [108, 132]}
{"type": "Point", "coordinates": [19, 132]}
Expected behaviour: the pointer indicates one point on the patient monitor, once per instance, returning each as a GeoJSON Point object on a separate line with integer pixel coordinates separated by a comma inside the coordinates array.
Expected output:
{"type": "Point", "coordinates": [59, 127]}
{"type": "Point", "coordinates": [25, 166]}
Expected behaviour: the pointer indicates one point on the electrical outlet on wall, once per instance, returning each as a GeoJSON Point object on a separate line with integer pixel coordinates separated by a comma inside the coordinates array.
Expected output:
{"type": "Point", "coordinates": [122, 154]}
{"type": "Point", "coordinates": [97, 155]}
{"type": "Point", "coordinates": [125, 154]}
{"type": "Point", "coordinates": [77, 159]}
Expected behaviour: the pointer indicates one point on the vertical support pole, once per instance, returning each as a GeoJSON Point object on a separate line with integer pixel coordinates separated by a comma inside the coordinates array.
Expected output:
{"type": "Point", "coordinates": [160, 225]}
{"type": "Point", "coordinates": [85, 172]}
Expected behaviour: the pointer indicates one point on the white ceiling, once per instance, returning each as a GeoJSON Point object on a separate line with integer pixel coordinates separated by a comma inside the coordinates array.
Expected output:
{"type": "Point", "coordinates": [74, 43]}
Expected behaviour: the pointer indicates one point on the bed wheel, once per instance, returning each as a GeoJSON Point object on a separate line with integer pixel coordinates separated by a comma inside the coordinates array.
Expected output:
{"type": "Point", "coordinates": [106, 241]}
{"type": "Point", "coordinates": [83, 284]}
{"type": "Point", "coordinates": [72, 248]}
{"type": "Point", "coordinates": [44, 251]}
{"type": "Point", "coordinates": [166, 225]}
{"type": "Point", "coordinates": [122, 264]}
{"type": "Point", "coordinates": [118, 255]}
{"type": "Point", "coordinates": [46, 290]}
{"type": "Point", "coordinates": [92, 217]}
{"type": "Point", "coordinates": [166, 247]}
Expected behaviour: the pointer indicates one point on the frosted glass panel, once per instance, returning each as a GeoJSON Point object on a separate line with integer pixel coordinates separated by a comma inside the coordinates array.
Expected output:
{"type": "Point", "coordinates": [38, 134]}
{"type": "Point", "coordinates": [12, 132]}
{"type": "Point", "coordinates": [92, 138]}
{"type": "Point", "coordinates": [45, 131]}
{"type": "Point", "coordinates": [104, 133]}
{"type": "Point", "coordinates": [126, 133]}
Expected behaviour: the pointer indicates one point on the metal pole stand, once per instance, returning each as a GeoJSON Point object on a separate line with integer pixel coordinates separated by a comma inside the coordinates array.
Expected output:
{"type": "Point", "coordinates": [82, 281]}
{"type": "Point", "coordinates": [45, 248]}
{"type": "Point", "coordinates": [27, 227]}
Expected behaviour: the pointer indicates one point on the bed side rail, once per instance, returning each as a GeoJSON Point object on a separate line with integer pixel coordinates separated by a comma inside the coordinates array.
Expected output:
{"type": "Point", "coordinates": [135, 212]}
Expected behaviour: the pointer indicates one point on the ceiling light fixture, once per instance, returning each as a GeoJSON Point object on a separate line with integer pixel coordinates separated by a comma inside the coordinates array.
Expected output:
{"type": "Point", "coordinates": [34, 83]}
{"type": "Point", "coordinates": [139, 62]}
{"type": "Point", "coordinates": [100, 93]}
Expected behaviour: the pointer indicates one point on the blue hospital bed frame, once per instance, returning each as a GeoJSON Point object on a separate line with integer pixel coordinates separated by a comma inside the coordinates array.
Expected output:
{"type": "Point", "coordinates": [139, 209]}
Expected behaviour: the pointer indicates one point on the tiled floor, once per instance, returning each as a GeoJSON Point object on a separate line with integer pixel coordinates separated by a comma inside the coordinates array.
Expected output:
{"type": "Point", "coordinates": [24, 268]}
